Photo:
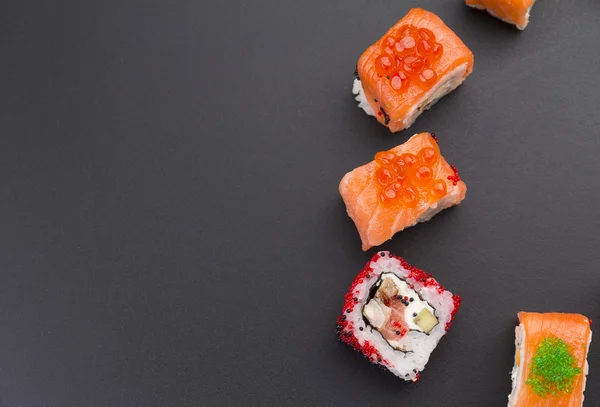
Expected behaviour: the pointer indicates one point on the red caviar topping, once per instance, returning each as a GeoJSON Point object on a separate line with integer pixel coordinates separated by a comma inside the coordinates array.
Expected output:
{"type": "Point", "coordinates": [407, 42]}
{"type": "Point", "coordinates": [437, 51]}
{"type": "Point", "coordinates": [410, 160]}
{"type": "Point", "coordinates": [384, 176]}
{"type": "Point", "coordinates": [424, 48]}
{"type": "Point", "coordinates": [423, 175]}
{"type": "Point", "coordinates": [389, 41]}
{"type": "Point", "coordinates": [426, 35]}
{"type": "Point", "coordinates": [427, 76]}
{"type": "Point", "coordinates": [399, 81]}
{"type": "Point", "coordinates": [407, 30]}
{"type": "Point", "coordinates": [399, 165]}
{"type": "Point", "coordinates": [408, 179]}
{"type": "Point", "coordinates": [389, 51]}
{"type": "Point", "coordinates": [385, 65]}
{"type": "Point", "coordinates": [428, 155]}
{"type": "Point", "coordinates": [411, 51]}
{"type": "Point", "coordinates": [410, 197]}
{"type": "Point", "coordinates": [413, 65]}
{"type": "Point", "coordinates": [437, 190]}
{"type": "Point", "coordinates": [384, 157]}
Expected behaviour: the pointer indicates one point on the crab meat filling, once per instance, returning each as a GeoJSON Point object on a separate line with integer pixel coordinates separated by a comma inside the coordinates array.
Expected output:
{"type": "Point", "coordinates": [394, 309]}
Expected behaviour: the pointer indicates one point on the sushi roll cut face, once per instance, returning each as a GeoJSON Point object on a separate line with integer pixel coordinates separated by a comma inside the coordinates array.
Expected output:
{"type": "Point", "coordinates": [514, 12]}
{"type": "Point", "coordinates": [403, 186]}
{"type": "Point", "coordinates": [417, 62]}
{"type": "Point", "coordinates": [550, 360]}
{"type": "Point", "coordinates": [395, 314]}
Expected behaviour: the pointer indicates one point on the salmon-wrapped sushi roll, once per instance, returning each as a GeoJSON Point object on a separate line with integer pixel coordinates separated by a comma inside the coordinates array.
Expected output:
{"type": "Point", "coordinates": [417, 62]}
{"type": "Point", "coordinates": [408, 184]}
{"type": "Point", "coordinates": [550, 360]}
{"type": "Point", "coordinates": [514, 12]}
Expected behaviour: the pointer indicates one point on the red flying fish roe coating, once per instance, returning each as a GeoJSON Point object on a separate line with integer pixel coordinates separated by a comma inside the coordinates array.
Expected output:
{"type": "Point", "coordinates": [454, 178]}
{"type": "Point", "coordinates": [346, 328]}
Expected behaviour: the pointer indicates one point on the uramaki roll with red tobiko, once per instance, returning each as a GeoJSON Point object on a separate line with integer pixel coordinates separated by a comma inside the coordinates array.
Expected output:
{"type": "Point", "coordinates": [395, 315]}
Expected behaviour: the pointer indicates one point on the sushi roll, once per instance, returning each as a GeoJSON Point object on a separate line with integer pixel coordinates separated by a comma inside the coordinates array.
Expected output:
{"type": "Point", "coordinates": [514, 12]}
{"type": "Point", "coordinates": [395, 315]}
{"type": "Point", "coordinates": [403, 186]}
{"type": "Point", "coordinates": [550, 360]}
{"type": "Point", "coordinates": [417, 62]}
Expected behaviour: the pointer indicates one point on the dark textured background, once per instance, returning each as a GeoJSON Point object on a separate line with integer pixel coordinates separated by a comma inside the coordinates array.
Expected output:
{"type": "Point", "coordinates": [170, 228]}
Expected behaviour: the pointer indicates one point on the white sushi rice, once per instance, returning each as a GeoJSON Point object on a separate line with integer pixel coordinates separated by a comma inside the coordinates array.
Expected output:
{"type": "Point", "coordinates": [418, 345]}
{"type": "Point", "coordinates": [517, 371]}
{"type": "Point", "coordinates": [445, 85]}
{"type": "Point", "coordinates": [358, 90]}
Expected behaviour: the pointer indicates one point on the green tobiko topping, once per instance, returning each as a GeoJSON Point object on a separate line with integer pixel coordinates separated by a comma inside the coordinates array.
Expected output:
{"type": "Point", "coordinates": [552, 369]}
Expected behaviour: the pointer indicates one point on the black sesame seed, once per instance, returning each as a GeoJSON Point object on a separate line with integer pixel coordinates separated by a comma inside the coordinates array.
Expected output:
{"type": "Point", "coordinates": [343, 317]}
{"type": "Point", "coordinates": [414, 314]}
{"type": "Point", "coordinates": [411, 299]}
{"type": "Point", "coordinates": [348, 310]}
{"type": "Point", "coordinates": [382, 254]}
{"type": "Point", "coordinates": [368, 276]}
{"type": "Point", "coordinates": [397, 332]}
{"type": "Point", "coordinates": [360, 329]}
{"type": "Point", "coordinates": [355, 299]}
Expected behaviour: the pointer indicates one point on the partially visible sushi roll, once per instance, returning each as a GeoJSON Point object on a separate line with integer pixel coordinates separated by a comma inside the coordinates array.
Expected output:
{"type": "Point", "coordinates": [395, 315]}
{"type": "Point", "coordinates": [514, 12]}
{"type": "Point", "coordinates": [550, 360]}
{"type": "Point", "coordinates": [417, 62]}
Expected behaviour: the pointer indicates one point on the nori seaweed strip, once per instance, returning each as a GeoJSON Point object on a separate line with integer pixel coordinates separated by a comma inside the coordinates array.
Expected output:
{"type": "Point", "coordinates": [385, 115]}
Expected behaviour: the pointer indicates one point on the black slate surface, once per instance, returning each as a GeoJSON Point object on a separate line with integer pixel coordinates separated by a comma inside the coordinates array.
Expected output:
{"type": "Point", "coordinates": [170, 228]}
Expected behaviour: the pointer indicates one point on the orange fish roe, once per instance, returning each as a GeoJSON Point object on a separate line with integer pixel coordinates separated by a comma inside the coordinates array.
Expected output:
{"type": "Point", "coordinates": [408, 179]}
{"type": "Point", "coordinates": [409, 58]}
